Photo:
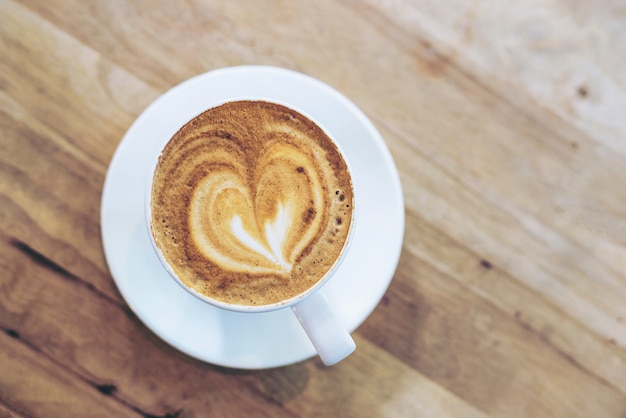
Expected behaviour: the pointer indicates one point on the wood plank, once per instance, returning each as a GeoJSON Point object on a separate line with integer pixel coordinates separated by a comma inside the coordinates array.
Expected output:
{"type": "Point", "coordinates": [48, 200]}
{"type": "Point", "coordinates": [461, 220]}
{"type": "Point", "coordinates": [565, 266]}
{"type": "Point", "coordinates": [36, 386]}
{"type": "Point", "coordinates": [504, 156]}
{"type": "Point", "coordinates": [583, 346]}
{"type": "Point", "coordinates": [563, 57]}
{"type": "Point", "coordinates": [489, 358]}
{"type": "Point", "coordinates": [72, 90]}
{"type": "Point", "coordinates": [369, 383]}
{"type": "Point", "coordinates": [201, 37]}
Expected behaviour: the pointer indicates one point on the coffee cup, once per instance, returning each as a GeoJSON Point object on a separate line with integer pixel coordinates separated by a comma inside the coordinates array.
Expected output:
{"type": "Point", "coordinates": [251, 208]}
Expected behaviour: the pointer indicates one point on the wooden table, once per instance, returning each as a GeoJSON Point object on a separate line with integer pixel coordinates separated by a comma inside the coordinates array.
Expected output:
{"type": "Point", "coordinates": [507, 121]}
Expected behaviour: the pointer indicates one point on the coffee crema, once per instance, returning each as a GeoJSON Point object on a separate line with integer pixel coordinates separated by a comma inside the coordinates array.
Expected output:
{"type": "Point", "coordinates": [251, 203]}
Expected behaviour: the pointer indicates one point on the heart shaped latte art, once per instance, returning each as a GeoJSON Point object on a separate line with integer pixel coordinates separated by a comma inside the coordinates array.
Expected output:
{"type": "Point", "coordinates": [259, 223]}
{"type": "Point", "coordinates": [251, 203]}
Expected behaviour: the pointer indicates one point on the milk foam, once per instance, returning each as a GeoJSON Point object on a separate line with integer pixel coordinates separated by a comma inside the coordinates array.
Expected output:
{"type": "Point", "coordinates": [219, 232]}
{"type": "Point", "coordinates": [275, 234]}
{"type": "Point", "coordinates": [251, 203]}
{"type": "Point", "coordinates": [259, 225]}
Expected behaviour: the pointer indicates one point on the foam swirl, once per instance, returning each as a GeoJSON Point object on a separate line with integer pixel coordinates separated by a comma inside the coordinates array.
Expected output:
{"type": "Point", "coordinates": [260, 226]}
{"type": "Point", "coordinates": [250, 191]}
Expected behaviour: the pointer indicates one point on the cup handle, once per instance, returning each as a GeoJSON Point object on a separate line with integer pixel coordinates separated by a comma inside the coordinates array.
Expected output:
{"type": "Point", "coordinates": [332, 342]}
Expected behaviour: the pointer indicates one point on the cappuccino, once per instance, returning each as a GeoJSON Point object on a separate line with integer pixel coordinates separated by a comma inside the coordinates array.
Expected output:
{"type": "Point", "coordinates": [251, 203]}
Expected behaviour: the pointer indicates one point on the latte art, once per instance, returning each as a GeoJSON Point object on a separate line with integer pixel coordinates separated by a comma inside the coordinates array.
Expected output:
{"type": "Point", "coordinates": [253, 227]}
{"type": "Point", "coordinates": [251, 203]}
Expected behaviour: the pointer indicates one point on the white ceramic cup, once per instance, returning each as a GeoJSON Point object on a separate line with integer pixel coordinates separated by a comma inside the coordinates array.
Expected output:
{"type": "Point", "coordinates": [330, 338]}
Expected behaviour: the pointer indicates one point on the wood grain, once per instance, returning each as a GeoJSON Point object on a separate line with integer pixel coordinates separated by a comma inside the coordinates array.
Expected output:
{"type": "Point", "coordinates": [506, 121]}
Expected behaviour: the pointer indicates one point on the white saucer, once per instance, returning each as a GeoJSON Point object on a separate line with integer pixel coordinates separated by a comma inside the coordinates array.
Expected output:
{"type": "Point", "coordinates": [240, 340]}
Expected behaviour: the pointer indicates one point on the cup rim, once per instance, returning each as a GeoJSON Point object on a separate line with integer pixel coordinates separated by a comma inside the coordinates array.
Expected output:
{"type": "Point", "coordinates": [238, 307]}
